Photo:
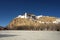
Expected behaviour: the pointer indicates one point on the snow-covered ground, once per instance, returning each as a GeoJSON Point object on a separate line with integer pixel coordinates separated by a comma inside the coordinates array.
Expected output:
{"type": "Point", "coordinates": [29, 35]}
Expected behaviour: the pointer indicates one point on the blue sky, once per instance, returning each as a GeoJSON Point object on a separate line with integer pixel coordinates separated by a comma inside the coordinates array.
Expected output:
{"type": "Point", "coordinates": [9, 9]}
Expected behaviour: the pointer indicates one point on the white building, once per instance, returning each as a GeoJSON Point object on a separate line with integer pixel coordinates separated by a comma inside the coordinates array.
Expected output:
{"type": "Point", "coordinates": [22, 16]}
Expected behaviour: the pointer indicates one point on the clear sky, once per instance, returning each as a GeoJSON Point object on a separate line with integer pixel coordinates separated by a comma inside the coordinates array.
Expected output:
{"type": "Point", "coordinates": [9, 9]}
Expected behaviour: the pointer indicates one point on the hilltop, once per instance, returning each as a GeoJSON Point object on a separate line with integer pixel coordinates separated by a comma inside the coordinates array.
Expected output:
{"type": "Point", "coordinates": [33, 22]}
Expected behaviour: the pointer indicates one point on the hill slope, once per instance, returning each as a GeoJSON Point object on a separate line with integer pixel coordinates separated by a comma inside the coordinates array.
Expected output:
{"type": "Point", "coordinates": [42, 23]}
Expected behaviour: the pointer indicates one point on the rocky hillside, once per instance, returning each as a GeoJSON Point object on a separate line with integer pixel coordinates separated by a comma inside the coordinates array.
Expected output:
{"type": "Point", "coordinates": [42, 23]}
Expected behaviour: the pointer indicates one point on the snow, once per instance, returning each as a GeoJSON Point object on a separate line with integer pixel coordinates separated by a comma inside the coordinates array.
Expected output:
{"type": "Point", "coordinates": [20, 16]}
{"type": "Point", "coordinates": [25, 16]}
{"type": "Point", "coordinates": [39, 16]}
